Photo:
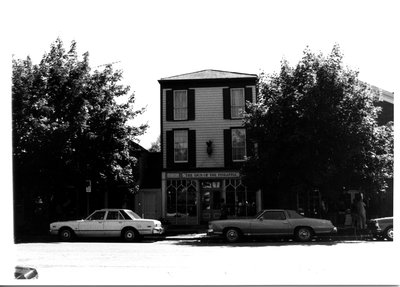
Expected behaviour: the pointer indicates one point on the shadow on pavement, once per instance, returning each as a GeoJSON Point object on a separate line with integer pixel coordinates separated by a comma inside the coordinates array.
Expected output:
{"type": "Point", "coordinates": [54, 239]}
{"type": "Point", "coordinates": [206, 242]}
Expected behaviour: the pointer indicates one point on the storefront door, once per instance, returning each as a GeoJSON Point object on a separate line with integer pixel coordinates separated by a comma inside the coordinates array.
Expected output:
{"type": "Point", "coordinates": [211, 195]}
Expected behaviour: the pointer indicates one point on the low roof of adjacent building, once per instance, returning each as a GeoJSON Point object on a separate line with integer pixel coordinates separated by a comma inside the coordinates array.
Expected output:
{"type": "Point", "coordinates": [208, 75]}
{"type": "Point", "coordinates": [384, 95]}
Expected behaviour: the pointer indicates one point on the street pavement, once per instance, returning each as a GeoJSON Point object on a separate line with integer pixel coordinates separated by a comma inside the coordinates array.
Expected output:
{"type": "Point", "coordinates": [193, 260]}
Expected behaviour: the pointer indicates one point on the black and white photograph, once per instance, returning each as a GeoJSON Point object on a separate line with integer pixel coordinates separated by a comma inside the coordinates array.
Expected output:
{"type": "Point", "coordinates": [199, 142]}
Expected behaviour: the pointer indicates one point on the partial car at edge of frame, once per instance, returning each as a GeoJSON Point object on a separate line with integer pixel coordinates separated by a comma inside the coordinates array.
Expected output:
{"type": "Point", "coordinates": [274, 223]}
{"type": "Point", "coordinates": [381, 228]}
{"type": "Point", "coordinates": [122, 223]}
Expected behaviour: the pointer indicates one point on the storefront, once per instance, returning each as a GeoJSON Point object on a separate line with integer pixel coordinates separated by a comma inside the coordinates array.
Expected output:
{"type": "Point", "coordinates": [191, 198]}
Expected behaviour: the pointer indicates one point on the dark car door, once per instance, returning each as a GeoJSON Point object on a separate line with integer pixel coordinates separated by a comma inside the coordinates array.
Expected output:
{"type": "Point", "coordinates": [271, 222]}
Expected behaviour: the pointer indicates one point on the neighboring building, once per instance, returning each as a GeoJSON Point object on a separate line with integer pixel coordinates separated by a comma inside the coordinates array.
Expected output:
{"type": "Point", "coordinates": [203, 145]}
{"type": "Point", "coordinates": [387, 104]}
{"type": "Point", "coordinates": [148, 198]}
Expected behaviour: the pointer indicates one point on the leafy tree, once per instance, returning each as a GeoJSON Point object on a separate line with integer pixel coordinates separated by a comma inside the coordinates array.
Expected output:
{"type": "Point", "coordinates": [68, 127]}
{"type": "Point", "coordinates": [315, 126]}
{"type": "Point", "coordinates": [156, 146]}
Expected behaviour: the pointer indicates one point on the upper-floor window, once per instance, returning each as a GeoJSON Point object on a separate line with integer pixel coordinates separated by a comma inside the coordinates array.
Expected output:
{"type": "Point", "coordinates": [181, 146]}
{"type": "Point", "coordinates": [234, 101]}
{"type": "Point", "coordinates": [180, 105]}
{"type": "Point", "coordinates": [238, 144]}
{"type": "Point", "coordinates": [237, 103]}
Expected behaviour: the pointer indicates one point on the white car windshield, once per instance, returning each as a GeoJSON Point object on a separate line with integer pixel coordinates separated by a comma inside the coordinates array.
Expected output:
{"type": "Point", "coordinates": [132, 214]}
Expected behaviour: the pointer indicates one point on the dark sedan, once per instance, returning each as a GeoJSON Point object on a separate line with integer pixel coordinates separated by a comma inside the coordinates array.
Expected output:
{"type": "Point", "coordinates": [381, 228]}
{"type": "Point", "coordinates": [272, 222]}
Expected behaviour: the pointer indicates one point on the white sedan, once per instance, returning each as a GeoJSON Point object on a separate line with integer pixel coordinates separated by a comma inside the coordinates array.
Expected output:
{"type": "Point", "coordinates": [122, 223]}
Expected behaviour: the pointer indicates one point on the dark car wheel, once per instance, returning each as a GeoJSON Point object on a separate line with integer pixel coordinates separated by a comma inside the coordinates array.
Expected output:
{"type": "Point", "coordinates": [232, 235]}
{"type": "Point", "coordinates": [303, 234]}
{"type": "Point", "coordinates": [66, 234]}
{"type": "Point", "coordinates": [389, 233]}
{"type": "Point", "coordinates": [130, 235]}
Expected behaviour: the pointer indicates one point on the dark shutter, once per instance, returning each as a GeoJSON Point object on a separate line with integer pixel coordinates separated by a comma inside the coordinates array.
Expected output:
{"type": "Point", "coordinates": [228, 148]}
{"type": "Point", "coordinates": [248, 96]}
{"type": "Point", "coordinates": [170, 149]}
{"type": "Point", "coordinates": [192, 148]}
{"type": "Point", "coordinates": [191, 107]}
{"type": "Point", "coordinates": [170, 105]}
{"type": "Point", "coordinates": [226, 94]}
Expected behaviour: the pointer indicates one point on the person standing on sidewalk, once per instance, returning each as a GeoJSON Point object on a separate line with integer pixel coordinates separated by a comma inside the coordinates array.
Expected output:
{"type": "Point", "coordinates": [224, 211]}
{"type": "Point", "coordinates": [354, 214]}
{"type": "Point", "coordinates": [361, 212]}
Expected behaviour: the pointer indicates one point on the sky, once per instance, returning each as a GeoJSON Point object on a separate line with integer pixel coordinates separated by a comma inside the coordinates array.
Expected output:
{"type": "Point", "coordinates": [155, 39]}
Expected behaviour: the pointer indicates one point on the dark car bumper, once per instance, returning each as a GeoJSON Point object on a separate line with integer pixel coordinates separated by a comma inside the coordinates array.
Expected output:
{"type": "Point", "coordinates": [214, 233]}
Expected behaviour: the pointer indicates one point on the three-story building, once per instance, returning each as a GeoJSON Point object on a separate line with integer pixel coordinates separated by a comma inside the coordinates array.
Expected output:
{"type": "Point", "coordinates": [204, 144]}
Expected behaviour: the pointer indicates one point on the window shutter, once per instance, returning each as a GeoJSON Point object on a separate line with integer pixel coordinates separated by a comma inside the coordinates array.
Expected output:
{"type": "Point", "coordinates": [170, 149]}
{"type": "Point", "coordinates": [191, 107]}
{"type": "Point", "coordinates": [248, 96]}
{"type": "Point", "coordinates": [192, 148]}
{"type": "Point", "coordinates": [169, 105]}
{"type": "Point", "coordinates": [226, 93]}
{"type": "Point", "coordinates": [228, 148]}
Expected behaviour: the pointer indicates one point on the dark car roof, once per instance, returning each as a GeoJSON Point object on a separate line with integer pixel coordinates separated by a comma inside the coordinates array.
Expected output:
{"type": "Point", "coordinates": [290, 212]}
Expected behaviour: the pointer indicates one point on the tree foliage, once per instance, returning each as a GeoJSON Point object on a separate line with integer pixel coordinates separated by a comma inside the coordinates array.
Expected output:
{"type": "Point", "coordinates": [156, 146]}
{"type": "Point", "coordinates": [67, 125]}
{"type": "Point", "coordinates": [315, 125]}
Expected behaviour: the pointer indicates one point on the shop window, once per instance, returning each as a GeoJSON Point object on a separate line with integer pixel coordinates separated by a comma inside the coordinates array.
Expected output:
{"type": "Point", "coordinates": [181, 201]}
{"type": "Point", "coordinates": [239, 201]}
